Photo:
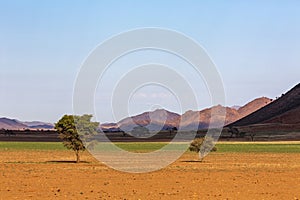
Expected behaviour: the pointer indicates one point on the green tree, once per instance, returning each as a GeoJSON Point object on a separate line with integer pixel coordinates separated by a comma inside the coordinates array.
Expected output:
{"type": "Point", "coordinates": [202, 145]}
{"type": "Point", "coordinates": [71, 127]}
{"type": "Point", "coordinates": [140, 131]}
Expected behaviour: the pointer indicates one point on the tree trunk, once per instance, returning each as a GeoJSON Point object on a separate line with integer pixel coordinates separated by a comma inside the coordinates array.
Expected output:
{"type": "Point", "coordinates": [77, 157]}
{"type": "Point", "coordinates": [201, 157]}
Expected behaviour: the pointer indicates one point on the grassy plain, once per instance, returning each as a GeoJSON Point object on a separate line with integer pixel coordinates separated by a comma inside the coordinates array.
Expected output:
{"type": "Point", "coordinates": [237, 147]}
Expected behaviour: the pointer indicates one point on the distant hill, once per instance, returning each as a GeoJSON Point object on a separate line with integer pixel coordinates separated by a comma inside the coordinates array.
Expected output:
{"type": "Point", "coordinates": [284, 110]}
{"type": "Point", "coordinates": [39, 125]}
{"type": "Point", "coordinates": [235, 107]}
{"type": "Point", "coordinates": [159, 119]}
{"type": "Point", "coordinates": [252, 106]}
{"type": "Point", "coordinates": [163, 120]}
{"type": "Point", "coordinates": [110, 127]}
{"type": "Point", "coordinates": [203, 117]}
{"type": "Point", "coordinates": [13, 124]}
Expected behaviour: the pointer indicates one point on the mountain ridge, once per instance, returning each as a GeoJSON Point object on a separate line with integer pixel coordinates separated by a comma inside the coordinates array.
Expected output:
{"type": "Point", "coordinates": [287, 106]}
{"type": "Point", "coordinates": [14, 124]}
{"type": "Point", "coordinates": [260, 110]}
{"type": "Point", "coordinates": [162, 119]}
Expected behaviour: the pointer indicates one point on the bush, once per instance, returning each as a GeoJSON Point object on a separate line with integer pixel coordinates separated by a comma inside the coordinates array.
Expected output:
{"type": "Point", "coordinates": [202, 145]}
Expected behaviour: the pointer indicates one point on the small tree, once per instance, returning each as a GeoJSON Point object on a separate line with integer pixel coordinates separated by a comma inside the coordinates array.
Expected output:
{"type": "Point", "coordinates": [172, 130]}
{"type": "Point", "coordinates": [71, 127]}
{"type": "Point", "coordinates": [235, 131]}
{"type": "Point", "coordinates": [202, 145]}
{"type": "Point", "coordinates": [140, 131]}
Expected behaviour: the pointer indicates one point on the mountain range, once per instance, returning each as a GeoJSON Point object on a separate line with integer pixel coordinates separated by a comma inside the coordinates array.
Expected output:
{"type": "Point", "coordinates": [13, 124]}
{"type": "Point", "coordinates": [282, 111]}
{"type": "Point", "coordinates": [162, 119]}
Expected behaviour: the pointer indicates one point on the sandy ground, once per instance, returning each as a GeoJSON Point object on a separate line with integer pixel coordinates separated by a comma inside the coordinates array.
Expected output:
{"type": "Point", "coordinates": [49, 175]}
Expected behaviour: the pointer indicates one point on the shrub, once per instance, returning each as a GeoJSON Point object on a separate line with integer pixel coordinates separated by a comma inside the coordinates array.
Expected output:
{"type": "Point", "coordinates": [202, 145]}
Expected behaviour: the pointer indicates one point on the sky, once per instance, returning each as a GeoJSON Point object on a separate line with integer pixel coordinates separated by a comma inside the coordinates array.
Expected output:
{"type": "Point", "coordinates": [254, 44]}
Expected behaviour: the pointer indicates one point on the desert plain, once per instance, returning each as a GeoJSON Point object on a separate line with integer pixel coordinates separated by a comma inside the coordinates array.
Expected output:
{"type": "Point", "coordinates": [52, 174]}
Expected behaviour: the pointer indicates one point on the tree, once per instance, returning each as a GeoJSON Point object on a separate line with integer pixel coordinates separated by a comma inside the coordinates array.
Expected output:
{"type": "Point", "coordinates": [252, 135]}
{"type": "Point", "coordinates": [202, 145]}
{"type": "Point", "coordinates": [71, 127]}
{"type": "Point", "coordinates": [251, 132]}
{"type": "Point", "coordinates": [235, 131]}
{"type": "Point", "coordinates": [140, 131]}
{"type": "Point", "coordinates": [172, 130]}
{"type": "Point", "coordinates": [9, 132]}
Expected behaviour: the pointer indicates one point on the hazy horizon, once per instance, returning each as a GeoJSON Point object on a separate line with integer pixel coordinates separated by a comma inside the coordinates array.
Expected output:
{"type": "Point", "coordinates": [138, 113]}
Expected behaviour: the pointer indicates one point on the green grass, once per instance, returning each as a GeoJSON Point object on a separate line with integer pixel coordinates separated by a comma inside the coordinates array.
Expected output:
{"type": "Point", "coordinates": [248, 147]}
{"type": "Point", "coordinates": [140, 146]}
{"type": "Point", "coordinates": [31, 146]}
{"type": "Point", "coordinates": [152, 146]}
{"type": "Point", "coordinates": [231, 147]}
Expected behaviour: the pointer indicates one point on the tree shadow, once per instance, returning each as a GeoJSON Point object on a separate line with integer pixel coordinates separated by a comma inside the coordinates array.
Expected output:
{"type": "Point", "coordinates": [193, 161]}
{"type": "Point", "coordinates": [65, 161]}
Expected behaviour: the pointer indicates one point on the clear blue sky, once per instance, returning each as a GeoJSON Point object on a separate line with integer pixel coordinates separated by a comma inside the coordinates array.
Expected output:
{"type": "Point", "coordinates": [255, 44]}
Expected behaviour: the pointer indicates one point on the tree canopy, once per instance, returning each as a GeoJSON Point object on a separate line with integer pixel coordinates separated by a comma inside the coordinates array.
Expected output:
{"type": "Point", "coordinates": [74, 129]}
{"type": "Point", "coordinates": [203, 145]}
{"type": "Point", "coordinates": [140, 131]}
